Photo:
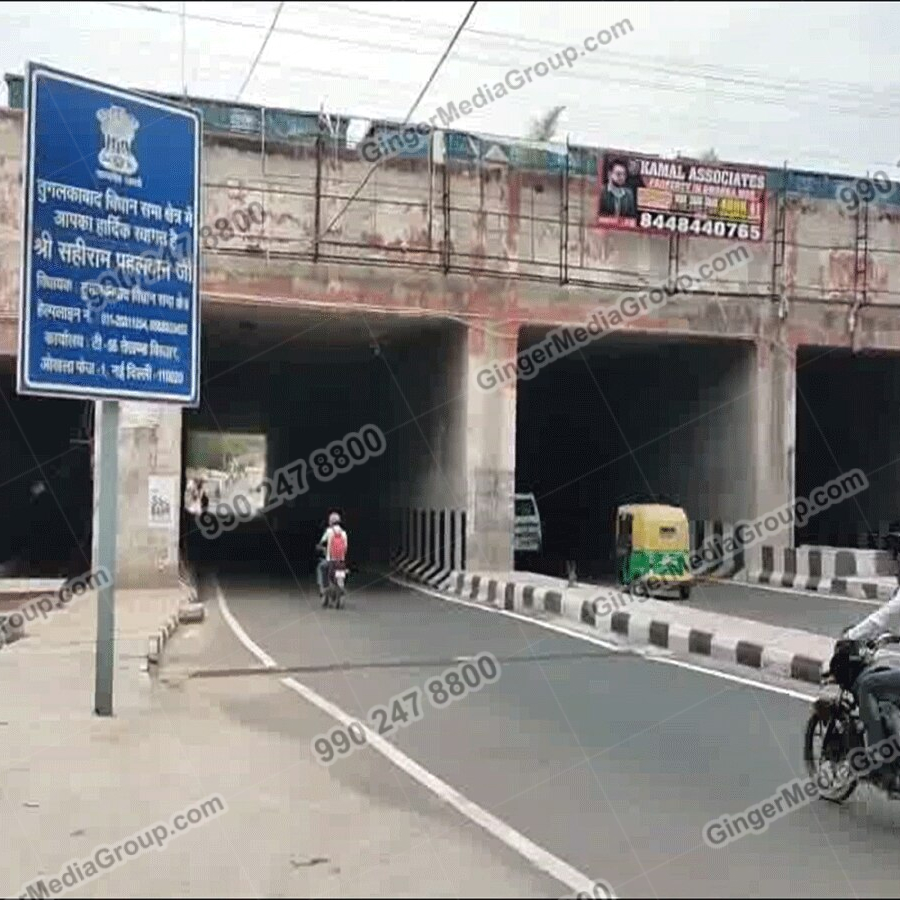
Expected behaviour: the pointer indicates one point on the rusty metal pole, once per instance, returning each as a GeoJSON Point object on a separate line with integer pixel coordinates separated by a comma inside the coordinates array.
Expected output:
{"type": "Point", "coordinates": [318, 212]}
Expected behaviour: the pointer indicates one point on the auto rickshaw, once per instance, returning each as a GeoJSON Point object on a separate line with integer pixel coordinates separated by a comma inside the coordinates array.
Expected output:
{"type": "Point", "coordinates": [653, 548]}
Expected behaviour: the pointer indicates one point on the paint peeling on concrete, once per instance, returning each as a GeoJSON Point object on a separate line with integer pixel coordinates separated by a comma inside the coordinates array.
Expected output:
{"type": "Point", "coordinates": [495, 232]}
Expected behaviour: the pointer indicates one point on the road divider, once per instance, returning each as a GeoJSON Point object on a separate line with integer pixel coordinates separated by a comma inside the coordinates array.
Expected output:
{"type": "Point", "coordinates": [858, 574]}
{"type": "Point", "coordinates": [644, 621]}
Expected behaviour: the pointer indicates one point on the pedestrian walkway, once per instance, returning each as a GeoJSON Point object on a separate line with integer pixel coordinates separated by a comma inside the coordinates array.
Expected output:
{"type": "Point", "coordinates": [282, 826]}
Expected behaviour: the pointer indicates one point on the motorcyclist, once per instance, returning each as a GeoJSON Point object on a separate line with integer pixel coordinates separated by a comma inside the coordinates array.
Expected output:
{"type": "Point", "coordinates": [875, 684]}
{"type": "Point", "coordinates": [334, 541]}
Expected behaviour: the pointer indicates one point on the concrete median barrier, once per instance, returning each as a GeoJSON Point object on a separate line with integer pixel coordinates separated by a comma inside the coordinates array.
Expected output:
{"type": "Point", "coordinates": [858, 574]}
{"type": "Point", "coordinates": [641, 621]}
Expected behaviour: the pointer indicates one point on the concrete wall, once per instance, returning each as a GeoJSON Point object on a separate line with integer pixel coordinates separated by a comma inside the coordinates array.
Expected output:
{"type": "Point", "coordinates": [10, 228]}
{"type": "Point", "coordinates": [491, 450]}
{"type": "Point", "coordinates": [502, 222]}
{"type": "Point", "coordinates": [492, 245]}
{"type": "Point", "coordinates": [427, 436]}
{"type": "Point", "coordinates": [149, 447]}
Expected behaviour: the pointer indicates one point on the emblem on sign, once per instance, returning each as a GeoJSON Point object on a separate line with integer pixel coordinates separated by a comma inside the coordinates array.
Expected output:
{"type": "Point", "coordinates": [119, 128]}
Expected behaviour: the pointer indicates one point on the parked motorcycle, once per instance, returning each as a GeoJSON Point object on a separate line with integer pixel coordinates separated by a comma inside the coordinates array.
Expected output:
{"type": "Point", "coordinates": [836, 729]}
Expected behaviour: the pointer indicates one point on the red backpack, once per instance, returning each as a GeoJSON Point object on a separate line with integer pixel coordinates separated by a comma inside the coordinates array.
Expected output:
{"type": "Point", "coordinates": [339, 545]}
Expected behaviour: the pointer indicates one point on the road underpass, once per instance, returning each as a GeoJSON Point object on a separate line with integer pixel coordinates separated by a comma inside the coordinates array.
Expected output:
{"type": "Point", "coordinates": [626, 416]}
{"type": "Point", "coordinates": [46, 488]}
{"type": "Point", "coordinates": [306, 379]}
{"type": "Point", "coordinates": [845, 421]}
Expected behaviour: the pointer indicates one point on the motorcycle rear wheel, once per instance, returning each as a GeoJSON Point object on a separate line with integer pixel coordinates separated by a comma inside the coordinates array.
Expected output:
{"type": "Point", "coordinates": [822, 725]}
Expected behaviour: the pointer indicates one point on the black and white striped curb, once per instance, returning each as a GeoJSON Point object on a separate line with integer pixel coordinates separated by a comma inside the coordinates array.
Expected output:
{"type": "Point", "coordinates": [858, 574]}
{"type": "Point", "coordinates": [632, 627]}
{"type": "Point", "coordinates": [189, 610]}
{"type": "Point", "coordinates": [158, 641]}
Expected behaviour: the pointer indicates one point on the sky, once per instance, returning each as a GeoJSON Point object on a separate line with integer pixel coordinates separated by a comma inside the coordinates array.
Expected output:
{"type": "Point", "coordinates": [811, 84]}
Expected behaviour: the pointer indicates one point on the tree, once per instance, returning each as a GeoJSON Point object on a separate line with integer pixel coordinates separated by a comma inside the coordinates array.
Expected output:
{"type": "Point", "coordinates": [708, 156]}
{"type": "Point", "coordinates": [543, 128]}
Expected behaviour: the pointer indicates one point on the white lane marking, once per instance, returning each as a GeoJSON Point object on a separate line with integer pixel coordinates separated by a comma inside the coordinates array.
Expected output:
{"type": "Point", "coordinates": [796, 591]}
{"type": "Point", "coordinates": [630, 649]}
{"type": "Point", "coordinates": [537, 856]}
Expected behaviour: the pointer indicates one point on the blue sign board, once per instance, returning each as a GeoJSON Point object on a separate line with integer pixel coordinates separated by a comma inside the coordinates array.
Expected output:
{"type": "Point", "coordinates": [110, 276]}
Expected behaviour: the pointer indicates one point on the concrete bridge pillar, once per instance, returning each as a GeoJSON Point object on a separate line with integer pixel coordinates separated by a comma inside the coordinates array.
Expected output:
{"type": "Point", "coordinates": [149, 467]}
{"type": "Point", "coordinates": [773, 407]}
{"type": "Point", "coordinates": [491, 445]}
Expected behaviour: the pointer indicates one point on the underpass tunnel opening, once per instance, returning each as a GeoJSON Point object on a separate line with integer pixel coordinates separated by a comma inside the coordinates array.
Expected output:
{"type": "Point", "coordinates": [46, 484]}
{"type": "Point", "coordinates": [341, 412]}
{"type": "Point", "coordinates": [845, 423]}
{"type": "Point", "coordinates": [630, 419]}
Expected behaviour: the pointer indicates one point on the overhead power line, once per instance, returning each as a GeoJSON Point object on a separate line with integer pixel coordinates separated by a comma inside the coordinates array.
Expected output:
{"type": "Point", "coordinates": [409, 115]}
{"type": "Point", "coordinates": [836, 90]}
{"type": "Point", "coordinates": [261, 49]}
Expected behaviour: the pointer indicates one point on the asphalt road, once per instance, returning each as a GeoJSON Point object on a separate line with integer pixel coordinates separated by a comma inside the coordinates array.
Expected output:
{"type": "Point", "coordinates": [809, 611]}
{"type": "Point", "coordinates": [613, 763]}
{"type": "Point", "coordinates": [819, 613]}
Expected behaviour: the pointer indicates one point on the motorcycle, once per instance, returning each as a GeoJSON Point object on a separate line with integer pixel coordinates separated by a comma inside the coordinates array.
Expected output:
{"type": "Point", "coordinates": [335, 589]}
{"type": "Point", "coordinates": [836, 724]}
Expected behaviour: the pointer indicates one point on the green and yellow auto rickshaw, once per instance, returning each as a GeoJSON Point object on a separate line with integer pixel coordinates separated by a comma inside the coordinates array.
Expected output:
{"type": "Point", "coordinates": [653, 549]}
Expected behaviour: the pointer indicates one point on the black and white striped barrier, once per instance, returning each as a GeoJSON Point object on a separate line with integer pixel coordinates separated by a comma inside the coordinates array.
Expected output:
{"type": "Point", "coordinates": [714, 533]}
{"type": "Point", "coordinates": [612, 615]}
{"type": "Point", "coordinates": [432, 544]}
{"type": "Point", "coordinates": [860, 574]}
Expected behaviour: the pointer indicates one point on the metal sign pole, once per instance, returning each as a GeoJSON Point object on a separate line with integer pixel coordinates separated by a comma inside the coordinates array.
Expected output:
{"type": "Point", "coordinates": [75, 265]}
{"type": "Point", "coordinates": [107, 467]}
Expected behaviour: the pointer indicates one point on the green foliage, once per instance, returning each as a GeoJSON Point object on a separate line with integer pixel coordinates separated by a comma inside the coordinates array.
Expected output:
{"type": "Point", "coordinates": [212, 450]}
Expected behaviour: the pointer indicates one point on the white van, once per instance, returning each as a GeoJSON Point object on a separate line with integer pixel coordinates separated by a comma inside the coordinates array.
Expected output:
{"type": "Point", "coordinates": [528, 537]}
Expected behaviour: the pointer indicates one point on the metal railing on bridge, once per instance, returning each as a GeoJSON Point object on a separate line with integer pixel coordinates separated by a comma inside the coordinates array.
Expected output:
{"type": "Point", "coordinates": [482, 205]}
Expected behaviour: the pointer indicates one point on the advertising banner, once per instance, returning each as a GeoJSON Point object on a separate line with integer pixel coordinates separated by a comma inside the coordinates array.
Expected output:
{"type": "Point", "coordinates": [661, 196]}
